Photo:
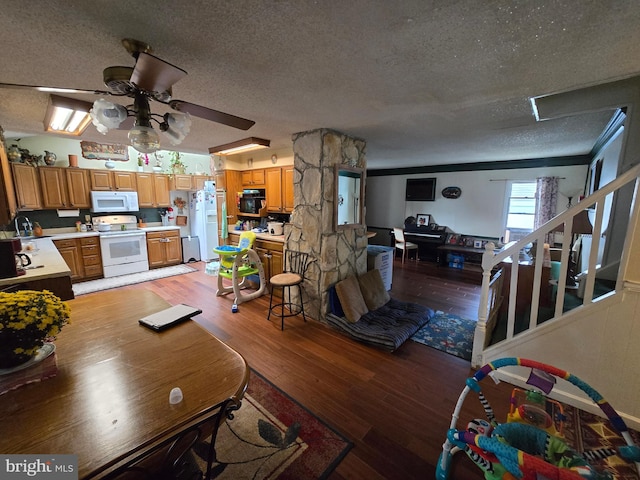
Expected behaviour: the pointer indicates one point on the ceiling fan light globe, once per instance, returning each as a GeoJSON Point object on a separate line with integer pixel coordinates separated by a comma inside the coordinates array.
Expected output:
{"type": "Point", "coordinates": [107, 115]}
{"type": "Point", "coordinates": [176, 126]}
{"type": "Point", "coordinates": [144, 139]}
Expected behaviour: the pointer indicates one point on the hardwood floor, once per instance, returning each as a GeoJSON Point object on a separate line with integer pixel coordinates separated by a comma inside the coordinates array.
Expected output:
{"type": "Point", "coordinates": [395, 407]}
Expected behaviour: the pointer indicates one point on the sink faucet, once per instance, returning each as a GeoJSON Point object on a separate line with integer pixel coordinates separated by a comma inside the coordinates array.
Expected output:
{"type": "Point", "coordinates": [26, 225]}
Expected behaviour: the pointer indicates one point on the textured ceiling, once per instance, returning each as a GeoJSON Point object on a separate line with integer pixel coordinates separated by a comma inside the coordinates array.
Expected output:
{"type": "Point", "coordinates": [423, 82]}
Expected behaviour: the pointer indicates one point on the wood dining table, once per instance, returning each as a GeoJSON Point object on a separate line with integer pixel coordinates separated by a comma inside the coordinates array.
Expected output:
{"type": "Point", "coordinates": [109, 401]}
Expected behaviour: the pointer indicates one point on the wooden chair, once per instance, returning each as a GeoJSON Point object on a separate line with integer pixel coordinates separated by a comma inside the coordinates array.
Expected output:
{"type": "Point", "coordinates": [294, 269]}
{"type": "Point", "coordinates": [403, 245]}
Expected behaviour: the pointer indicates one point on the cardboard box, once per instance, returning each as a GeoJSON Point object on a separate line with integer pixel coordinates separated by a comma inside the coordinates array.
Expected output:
{"type": "Point", "coordinates": [381, 257]}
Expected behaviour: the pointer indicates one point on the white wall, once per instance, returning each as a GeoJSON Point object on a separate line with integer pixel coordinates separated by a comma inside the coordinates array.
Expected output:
{"type": "Point", "coordinates": [478, 211]}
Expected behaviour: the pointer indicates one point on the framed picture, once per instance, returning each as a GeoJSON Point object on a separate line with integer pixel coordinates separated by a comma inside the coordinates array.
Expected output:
{"type": "Point", "coordinates": [477, 244]}
{"type": "Point", "coordinates": [423, 219]}
{"type": "Point", "coordinates": [104, 151]}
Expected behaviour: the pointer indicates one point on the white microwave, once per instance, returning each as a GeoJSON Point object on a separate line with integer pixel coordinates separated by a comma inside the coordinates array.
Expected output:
{"type": "Point", "coordinates": [114, 202]}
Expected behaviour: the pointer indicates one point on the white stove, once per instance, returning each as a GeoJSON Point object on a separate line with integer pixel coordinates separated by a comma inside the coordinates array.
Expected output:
{"type": "Point", "coordinates": [124, 246]}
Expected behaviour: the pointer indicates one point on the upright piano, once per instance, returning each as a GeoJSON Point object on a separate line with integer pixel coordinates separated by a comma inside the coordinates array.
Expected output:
{"type": "Point", "coordinates": [428, 240]}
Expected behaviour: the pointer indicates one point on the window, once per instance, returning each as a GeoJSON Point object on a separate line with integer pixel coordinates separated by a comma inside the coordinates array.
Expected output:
{"type": "Point", "coordinates": [521, 209]}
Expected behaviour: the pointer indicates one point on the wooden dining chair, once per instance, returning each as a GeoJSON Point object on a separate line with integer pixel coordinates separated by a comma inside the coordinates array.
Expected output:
{"type": "Point", "coordinates": [403, 245]}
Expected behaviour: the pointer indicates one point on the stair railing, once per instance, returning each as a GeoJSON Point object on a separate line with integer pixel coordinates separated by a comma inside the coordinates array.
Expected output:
{"type": "Point", "coordinates": [490, 299]}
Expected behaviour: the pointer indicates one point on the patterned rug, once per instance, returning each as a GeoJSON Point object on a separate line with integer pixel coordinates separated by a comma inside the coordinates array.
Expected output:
{"type": "Point", "coordinates": [91, 286]}
{"type": "Point", "coordinates": [449, 333]}
{"type": "Point", "coordinates": [273, 436]}
{"type": "Point", "coordinates": [585, 431]}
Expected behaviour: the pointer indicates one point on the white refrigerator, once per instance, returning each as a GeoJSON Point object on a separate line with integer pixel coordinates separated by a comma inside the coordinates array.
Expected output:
{"type": "Point", "coordinates": [204, 220]}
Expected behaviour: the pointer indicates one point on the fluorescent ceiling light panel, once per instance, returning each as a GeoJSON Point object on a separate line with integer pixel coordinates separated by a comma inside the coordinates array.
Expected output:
{"type": "Point", "coordinates": [66, 115]}
{"type": "Point", "coordinates": [241, 146]}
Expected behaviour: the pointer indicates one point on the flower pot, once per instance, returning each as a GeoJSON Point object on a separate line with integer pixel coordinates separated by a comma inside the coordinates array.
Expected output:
{"type": "Point", "coordinates": [9, 359]}
{"type": "Point", "coordinates": [28, 318]}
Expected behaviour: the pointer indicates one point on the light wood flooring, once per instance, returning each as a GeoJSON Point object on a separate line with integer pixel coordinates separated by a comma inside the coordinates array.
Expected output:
{"type": "Point", "coordinates": [395, 407]}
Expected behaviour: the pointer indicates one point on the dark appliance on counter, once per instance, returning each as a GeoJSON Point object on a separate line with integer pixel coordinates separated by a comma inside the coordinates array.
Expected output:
{"type": "Point", "coordinates": [11, 265]}
{"type": "Point", "coordinates": [251, 201]}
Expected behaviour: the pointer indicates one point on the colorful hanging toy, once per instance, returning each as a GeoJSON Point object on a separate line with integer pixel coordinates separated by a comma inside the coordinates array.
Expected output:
{"type": "Point", "coordinates": [530, 445]}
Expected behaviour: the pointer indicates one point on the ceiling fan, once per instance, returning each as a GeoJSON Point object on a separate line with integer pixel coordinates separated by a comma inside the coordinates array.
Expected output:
{"type": "Point", "coordinates": [151, 78]}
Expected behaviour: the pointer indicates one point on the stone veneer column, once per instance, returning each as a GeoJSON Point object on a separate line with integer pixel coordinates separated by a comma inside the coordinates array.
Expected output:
{"type": "Point", "coordinates": [335, 254]}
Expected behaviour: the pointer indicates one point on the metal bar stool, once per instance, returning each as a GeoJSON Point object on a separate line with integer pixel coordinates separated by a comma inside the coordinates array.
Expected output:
{"type": "Point", "coordinates": [294, 269]}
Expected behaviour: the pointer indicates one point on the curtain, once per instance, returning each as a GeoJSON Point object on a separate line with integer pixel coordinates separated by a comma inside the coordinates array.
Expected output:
{"type": "Point", "coordinates": [546, 202]}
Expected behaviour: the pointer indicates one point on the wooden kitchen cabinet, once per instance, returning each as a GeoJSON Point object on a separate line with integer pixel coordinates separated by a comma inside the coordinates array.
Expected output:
{"type": "Point", "coordinates": [101, 180]}
{"type": "Point", "coordinates": [198, 181]}
{"type": "Point", "coordinates": [153, 190]}
{"type": "Point", "coordinates": [83, 257]}
{"type": "Point", "coordinates": [64, 187]}
{"type": "Point", "coordinates": [146, 195]}
{"type": "Point", "coordinates": [71, 254]}
{"type": "Point", "coordinates": [181, 182]}
{"type": "Point", "coordinates": [54, 187]}
{"type": "Point", "coordinates": [161, 185]}
{"type": "Point", "coordinates": [27, 185]}
{"type": "Point", "coordinates": [91, 257]}
{"type": "Point", "coordinates": [78, 187]}
{"type": "Point", "coordinates": [163, 248]}
{"type": "Point", "coordinates": [270, 253]}
{"type": "Point", "coordinates": [124, 181]}
{"type": "Point", "coordinates": [279, 189]}
{"type": "Point", "coordinates": [107, 180]}
{"type": "Point", "coordinates": [8, 203]}
{"type": "Point", "coordinates": [253, 178]}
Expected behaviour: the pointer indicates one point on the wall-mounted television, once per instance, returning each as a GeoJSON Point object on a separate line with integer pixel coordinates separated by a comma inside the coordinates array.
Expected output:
{"type": "Point", "coordinates": [421, 190]}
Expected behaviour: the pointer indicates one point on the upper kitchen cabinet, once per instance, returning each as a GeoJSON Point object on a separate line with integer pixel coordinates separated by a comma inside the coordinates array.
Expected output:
{"type": "Point", "coordinates": [181, 182]}
{"type": "Point", "coordinates": [153, 190]}
{"type": "Point", "coordinates": [101, 180]}
{"type": "Point", "coordinates": [8, 204]}
{"type": "Point", "coordinates": [64, 187]}
{"type": "Point", "coordinates": [53, 182]}
{"type": "Point", "coordinates": [107, 180]}
{"type": "Point", "coordinates": [161, 184]}
{"type": "Point", "coordinates": [279, 189]}
{"type": "Point", "coordinates": [253, 178]}
{"type": "Point", "coordinates": [124, 181]}
{"type": "Point", "coordinates": [198, 181]}
{"type": "Point", "coordinates": [78, 187]}
{"type": "Point", "coordinates": [27, 185]}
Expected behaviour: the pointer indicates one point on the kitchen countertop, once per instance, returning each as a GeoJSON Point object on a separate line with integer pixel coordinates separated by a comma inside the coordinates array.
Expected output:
{"type": "Point", "coordinates": [63, 235]}
{"type": "Point", "coordinates": [45, 254]}
{"type": "Point", "coordinates": [263, 236]}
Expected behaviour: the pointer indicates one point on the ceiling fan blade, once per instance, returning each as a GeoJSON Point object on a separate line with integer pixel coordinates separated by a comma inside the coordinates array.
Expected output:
{"type": "Point", "coordinates": [152, 74]}
{"type": "Point", "coordinates": [54, 89]}
{"type": "Point", "coordinates": [210, 114]}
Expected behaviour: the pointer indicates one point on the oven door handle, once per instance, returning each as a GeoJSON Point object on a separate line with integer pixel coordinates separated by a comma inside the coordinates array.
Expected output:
{"type": "Point", "coordinates": [120, 235]}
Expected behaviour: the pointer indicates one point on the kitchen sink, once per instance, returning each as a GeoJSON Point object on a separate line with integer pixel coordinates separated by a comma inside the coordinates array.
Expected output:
{"type": "Point", "coordinates": [33, 237]}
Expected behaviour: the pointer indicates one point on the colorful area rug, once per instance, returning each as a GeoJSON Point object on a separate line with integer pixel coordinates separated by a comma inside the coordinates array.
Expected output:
{"type": "Point", "coordinates": [273, 436]}
{"type": "Point", "coordinates": [585, 431]}
{"type": "Point", "coordinates": [449, 333]}
{"type": "Point", "coordinates": [91, 286]}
